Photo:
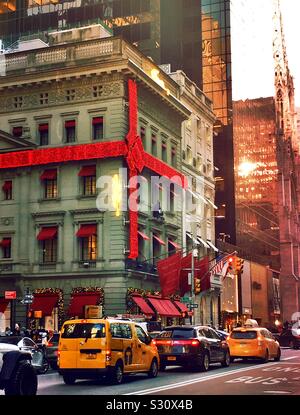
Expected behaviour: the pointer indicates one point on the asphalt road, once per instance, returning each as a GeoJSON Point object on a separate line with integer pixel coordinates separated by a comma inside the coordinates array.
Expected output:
{"type": "Point", "coordinates": [241, 378]}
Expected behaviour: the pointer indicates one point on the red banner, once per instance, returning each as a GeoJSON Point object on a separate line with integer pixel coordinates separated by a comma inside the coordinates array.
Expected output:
{"type": "Point", "coordinates": [169, 273]}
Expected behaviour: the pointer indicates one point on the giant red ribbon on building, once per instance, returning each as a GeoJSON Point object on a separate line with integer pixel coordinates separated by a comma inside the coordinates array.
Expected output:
{"type": "Point", "coordinates": [132, 149]}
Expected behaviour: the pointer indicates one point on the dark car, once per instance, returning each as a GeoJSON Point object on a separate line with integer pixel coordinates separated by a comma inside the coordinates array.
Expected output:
{"type": "Point", "coordinates": [191, 346]}
{"type": "Point", "coordinates": [289, 338]}
{"type": "Point", "coordinates": [52, 350]}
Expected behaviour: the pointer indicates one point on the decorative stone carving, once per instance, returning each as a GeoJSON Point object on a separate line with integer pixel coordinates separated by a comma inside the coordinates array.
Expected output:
{"type": "Point", "coordinates": [6, 221]}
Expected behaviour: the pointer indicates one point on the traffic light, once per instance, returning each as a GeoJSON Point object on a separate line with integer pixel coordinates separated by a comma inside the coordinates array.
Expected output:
{"type": "Point", "coordinates": [230, 263]}
{"type": "Point", "coordinates": [197, 285]}
{"type": "Point", "coordinates": [239, 265]}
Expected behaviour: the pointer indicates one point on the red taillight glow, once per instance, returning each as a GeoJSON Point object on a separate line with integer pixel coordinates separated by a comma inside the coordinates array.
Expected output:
{"type": "Point", "coordinates": [50, 344]}
{"type": "Point", "coordinates": [177, 342]}
{"type": "Point", "coordinates": [154, 342]}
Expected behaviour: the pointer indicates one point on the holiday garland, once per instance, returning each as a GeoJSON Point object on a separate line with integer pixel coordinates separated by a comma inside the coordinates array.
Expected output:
{"type": "Point", "coordinates": [60, 301]}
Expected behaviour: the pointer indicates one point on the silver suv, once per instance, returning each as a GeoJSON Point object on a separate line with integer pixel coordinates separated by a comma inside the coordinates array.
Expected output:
{"type": "Point", "coordinates": [17, 375]}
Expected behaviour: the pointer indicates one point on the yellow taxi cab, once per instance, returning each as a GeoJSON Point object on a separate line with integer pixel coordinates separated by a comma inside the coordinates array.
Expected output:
{"type": "Point", "coordinates": [252, 341]}
{"type": "Point", "coordinates": [90, 348]}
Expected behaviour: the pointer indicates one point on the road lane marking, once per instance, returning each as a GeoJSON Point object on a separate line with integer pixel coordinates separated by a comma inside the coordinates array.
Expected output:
{"type": "Point", "coordinates": [202, 379]}
{"type": "Point", "coordinates": [290, 358]}
{"type": "Point", "coordinates": [278, 392]}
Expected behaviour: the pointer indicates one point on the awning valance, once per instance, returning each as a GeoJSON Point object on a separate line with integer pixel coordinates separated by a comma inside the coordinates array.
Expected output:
{"type": "Point", "coordinates": [164, 307]}
{"type": "Point", "coordinates": [174, 244]}
{"type": "Point", "coordinates": [7, 185]}
{"type": "Point", "coordinates": [159, 240]}
{"type": "Point", "coordinates": [87, 230]}
{"type": "Point", "coordinates": [182, 307]}
{"type": "Point", "coordinates": [3, 304]}
{"type": "Point", "coordinates": [145, 308]}
{"type": "Point", "coordinates": [70, 123]}
{"type": "Point", "coordinates": [80, 300]}
{"type": "Point", "coordinates": [47, 233]}
{"type": "Point", "coordinates": [5, 243]}
{"type": "Point", "coordinates": [44, 303]}
{"type": "Point", "coordinates": [144, 236]}
{"type": "Point", "coordinates": [87, 171]}
{"type": "Point", "coordinates": [97, 120]}
{"type": "Point", "coordinates": [49, 174]}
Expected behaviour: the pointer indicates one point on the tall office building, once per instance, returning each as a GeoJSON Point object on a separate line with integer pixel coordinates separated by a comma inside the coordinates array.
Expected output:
{"type": "Point", "coordinates": [190, 35]}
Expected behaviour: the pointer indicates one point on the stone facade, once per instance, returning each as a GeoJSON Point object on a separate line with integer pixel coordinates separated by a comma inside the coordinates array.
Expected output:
{"type": "Point", "coordinates": [77, 83]}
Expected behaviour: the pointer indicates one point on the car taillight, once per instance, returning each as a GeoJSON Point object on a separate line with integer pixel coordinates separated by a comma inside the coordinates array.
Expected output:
{"type": "Point", "coordinates": [108, 355]}
{"type": "Point", "coordinates": [50, 344]}
{"type": "Point", "coordinates": [178, 342]}
{"type": "Point", "coordinates": [154, 342]}
{"type": "Point", "coordinates": [259, 341]}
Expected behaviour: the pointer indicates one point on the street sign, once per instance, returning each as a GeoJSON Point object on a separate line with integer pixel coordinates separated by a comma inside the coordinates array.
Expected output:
{"type": "Point", "coordinates": [10, 295]}
{"type": "Point", "coordinates": [185, 299]}
{"type": "Point", "coordinates": [193, 306]}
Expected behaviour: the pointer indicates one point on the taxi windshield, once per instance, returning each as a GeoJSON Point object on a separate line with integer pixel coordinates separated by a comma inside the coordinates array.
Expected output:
{"type": "Point", "coordinates": [86, 330]}
{"type": "Point", "coordinates": [244, 334]}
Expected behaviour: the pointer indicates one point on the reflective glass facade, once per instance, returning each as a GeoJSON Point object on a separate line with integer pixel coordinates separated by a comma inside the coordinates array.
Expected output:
{"type": "Point", "coordinates": [217, 84]}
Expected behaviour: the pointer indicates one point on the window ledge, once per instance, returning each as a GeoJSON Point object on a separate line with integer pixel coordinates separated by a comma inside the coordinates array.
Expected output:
{"type": "Point", "coordinates": [54, 199]}
{"type": "Point", "coordinates": [79, 197]}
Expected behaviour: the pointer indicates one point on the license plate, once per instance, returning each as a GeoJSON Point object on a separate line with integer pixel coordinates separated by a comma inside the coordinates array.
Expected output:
{"type": "Point", "coordinates": [171, 358]}
{"type": "Point", "coordinates": [91, 356]}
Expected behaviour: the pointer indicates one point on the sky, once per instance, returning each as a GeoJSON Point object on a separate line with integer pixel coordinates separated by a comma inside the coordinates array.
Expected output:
{"type": "Point", "coordinates": [252, 53]}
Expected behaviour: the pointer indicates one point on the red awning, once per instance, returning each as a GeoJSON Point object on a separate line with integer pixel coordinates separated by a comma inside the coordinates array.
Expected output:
{"type": "Point", "coordinates": [5, 243]}
{"type": "Point", "coordinates": [182, 307]}
{"type": "Point", "coordinates": [7, 185]}
{"type": "Point", "coordinates": [87, 230]}
{"type": "Point", "coordinates": [44, 303]}
{"type": "Point", "coordinates": [144, 236]}
{"type": "Point", "coordinates": [159, 240]}
{"type": "Point", "coordinates": [47, 233]}
{"type": "Point", "coordinates": [87, 171]}
{"type": "Point", "coordinates": [143, 305]}
{"type": "Point", "coordinates": [164, 307]}
{"type": "Point", "coordinates": [49, 174]}
{"type": "Point", "coordinates": [70, 123]}
{"type": "Point", "coordinates": [3, 304]}
{"type": "Point", "coordinates": [176, 246]}
{"type": "Point", "coordinates": [97, 120]}
{"type": "Point", "coordinates": [43, 127]}
{"type": "Point", "coordinates": [17, 131]}
{"type": "Point", "coordinates": [78, 301]}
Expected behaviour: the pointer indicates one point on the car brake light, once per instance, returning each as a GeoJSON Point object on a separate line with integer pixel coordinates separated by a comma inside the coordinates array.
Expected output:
{"type": "Point", "coordinates": [50, 344]}
{"type": "Point", "coordinates": [108, 355]}
{"type": "Point", "coordinates": [154, 342]}
{"type": "Point", "coordinates": [177, 342]}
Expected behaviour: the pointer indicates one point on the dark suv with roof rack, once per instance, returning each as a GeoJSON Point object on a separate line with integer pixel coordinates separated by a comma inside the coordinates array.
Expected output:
{"type": "Point", "coordinates": [191, 346]}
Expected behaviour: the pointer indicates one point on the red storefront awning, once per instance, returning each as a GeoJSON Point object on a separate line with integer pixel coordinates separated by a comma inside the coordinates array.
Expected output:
{"type": "Point", "coordinates": [176, 246]}
{"type": "Point", "coordinates": [7, 185]}
{"type": "Point", "coordinates": [182, 307]}
{"type": "Point", "coordinates": [144, 236]}
{"type": "Point", "coordinates": [3, 304]}
{"type": "Point", "coordinates": [70, 123]}
{"type": "Point", "coordinates": [87, 230]}
{"type": "Point", "coordinates": [5, 243]}
{"type": "Point", "coordinates": [97, 120]}
{"type": "Point", "coordinates": [159, 240]}
{"type": "Point", "coordinates": [87, 171]}
{"type": "Point", "coordinates": [164, 307]}
{"type": "Point", "coordinates": [49, 174]}
{"type": "Point", "coordinates": [47, 233]}
{"type": "Point", "coordinates": [145, 308]}
{"type": "Point", "coordinates": [44, 303]}
{"type": "Point", "coordinates": [43, 127]}
{"type": "Point", "coordinates": [78, 301]}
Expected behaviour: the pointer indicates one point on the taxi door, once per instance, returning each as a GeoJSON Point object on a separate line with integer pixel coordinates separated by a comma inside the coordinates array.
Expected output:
{"type": "Point", "coordinates": [68, 346]}
{"type": "Point", "coordinates": [122, 345]}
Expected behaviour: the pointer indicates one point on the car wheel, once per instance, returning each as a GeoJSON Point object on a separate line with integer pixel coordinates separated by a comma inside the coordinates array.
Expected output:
{"type": "Point", "coordinates": [153, 369]}
{"type": "Point", "coordinates": [226, 361]}
{"type": "Point", "coordinates": [116, 374]}
{"type": "Point", "coordinates": [292, 344]}
{"type": "Point", "coordinates": [45, 367]}
{"type": "Point", "coordinates": [69, 379]}
{"type": "Point", "coordinates": [277, 358]}
{"type": "Point", "coordinates": [204, 365]}
{"type": "Point", "coordinates": [23, 381]}
{"type": "Point", "coordinates": [266, 358]}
